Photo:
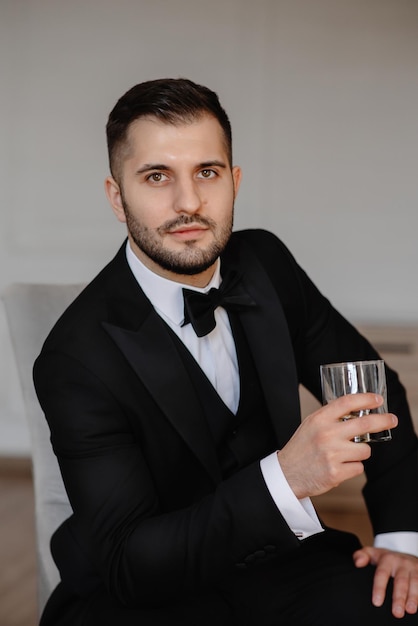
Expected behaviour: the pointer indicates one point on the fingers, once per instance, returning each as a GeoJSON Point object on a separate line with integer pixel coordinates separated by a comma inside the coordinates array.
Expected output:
{"type": "Point", "coordinates": [361, 557]}
{"type": "Point", "coordinates": [411, 606]}
{"type": "Point", "coordinates": [405, 593]}
{"type": "Point", "coordinates": [403, 568]}
{"type": "Point", "coordinates": [353, 406]}
{"type": "Point", "coordinates": [405, 590]}
{"type": "Point", "coordinates": [320, 454]}
{"type": "Point", "coordinates": [354, 402]}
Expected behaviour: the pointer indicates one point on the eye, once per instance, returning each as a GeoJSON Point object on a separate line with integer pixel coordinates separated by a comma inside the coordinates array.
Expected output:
{"type": "Point", "coordinates": [207, 173]}
{"type": "Point", "coordinates": [157, 177]}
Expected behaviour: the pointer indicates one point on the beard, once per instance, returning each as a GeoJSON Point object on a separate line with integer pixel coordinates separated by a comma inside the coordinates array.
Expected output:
{"type": "Point", "coordinates": [192, 260]}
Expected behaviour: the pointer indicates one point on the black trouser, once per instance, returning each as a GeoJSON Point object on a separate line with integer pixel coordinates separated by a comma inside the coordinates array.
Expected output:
{"type": "Point", "coordinates": [316, 585]}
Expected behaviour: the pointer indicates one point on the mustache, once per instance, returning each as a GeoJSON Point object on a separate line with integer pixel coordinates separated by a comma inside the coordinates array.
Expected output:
{"type": "Point", "coordinates": [184, 220]}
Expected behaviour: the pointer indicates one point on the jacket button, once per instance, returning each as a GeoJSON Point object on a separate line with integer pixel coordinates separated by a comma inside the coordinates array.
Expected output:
{"type": "Point", "coordinates": [250, 559]}
{"type": "Point", "coordinates": [270, 548]}
{"type": "Point", "coordinates": [260, 554]}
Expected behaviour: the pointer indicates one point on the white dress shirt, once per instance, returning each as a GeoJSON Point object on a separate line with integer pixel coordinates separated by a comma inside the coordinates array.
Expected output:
{"type": "Point", "coordinates": [216, 355]}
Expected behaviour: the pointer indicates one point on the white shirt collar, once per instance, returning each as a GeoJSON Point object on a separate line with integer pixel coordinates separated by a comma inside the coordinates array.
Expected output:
{"type": "Point", "coordinates": [165, 295]}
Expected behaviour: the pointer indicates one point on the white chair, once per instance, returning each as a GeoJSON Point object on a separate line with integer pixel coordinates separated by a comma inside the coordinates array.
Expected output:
{"type": "Point", "coordinates": [31, 311]}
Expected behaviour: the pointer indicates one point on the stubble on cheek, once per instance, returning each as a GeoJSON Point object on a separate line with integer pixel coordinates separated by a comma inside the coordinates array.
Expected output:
{"type": "Point", "coordinates": [190, 258]}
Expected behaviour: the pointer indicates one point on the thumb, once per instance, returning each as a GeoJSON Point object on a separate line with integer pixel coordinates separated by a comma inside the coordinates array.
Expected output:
{"type": "Point", "coordinates": [362, 557]}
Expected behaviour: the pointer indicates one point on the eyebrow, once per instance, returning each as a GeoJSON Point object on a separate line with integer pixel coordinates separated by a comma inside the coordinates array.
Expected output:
{"type": "Point", "coordinates": [152, 166]}
{"type": "Point", "coordinates": [214, 163]}
{"type": "Point", "coordinates": [147, 167]}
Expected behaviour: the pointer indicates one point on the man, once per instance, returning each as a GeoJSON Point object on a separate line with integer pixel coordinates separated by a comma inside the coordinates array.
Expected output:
{"type": "Point", "coordinates": [177, 429]}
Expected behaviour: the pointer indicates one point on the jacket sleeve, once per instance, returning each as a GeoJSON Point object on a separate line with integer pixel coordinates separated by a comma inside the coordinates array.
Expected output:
{"type": "Point", "coordinates": [120, 535]}
{"type": "Point", "coordinates": [320, 334]}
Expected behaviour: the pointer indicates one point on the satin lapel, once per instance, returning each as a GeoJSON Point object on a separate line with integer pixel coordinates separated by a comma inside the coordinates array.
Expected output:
{"type": "Point", "coordinates": [269, 340]}
{"type": "Point", "coordinates": [154, 357]}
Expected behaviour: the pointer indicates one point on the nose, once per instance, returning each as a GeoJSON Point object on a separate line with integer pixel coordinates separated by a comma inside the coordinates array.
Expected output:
{"type": "Point", "coordinates": [187, 197]}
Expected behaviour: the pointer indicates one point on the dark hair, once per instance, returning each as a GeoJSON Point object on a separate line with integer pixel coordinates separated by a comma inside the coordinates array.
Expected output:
{"type": "Point", "coordinates": [171, 100]}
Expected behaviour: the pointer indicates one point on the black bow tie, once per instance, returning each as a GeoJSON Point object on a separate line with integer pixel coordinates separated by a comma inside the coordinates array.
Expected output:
{"type": "Point", "coordinates": [199, 308]}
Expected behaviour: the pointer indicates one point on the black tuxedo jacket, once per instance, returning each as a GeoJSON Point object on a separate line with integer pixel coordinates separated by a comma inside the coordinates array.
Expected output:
{"type": "Point", "coordinates": [153, 516]}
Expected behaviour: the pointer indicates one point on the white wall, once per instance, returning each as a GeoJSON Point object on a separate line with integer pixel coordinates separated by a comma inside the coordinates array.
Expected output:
{"type": "Point", "coordinates": [323, 98]}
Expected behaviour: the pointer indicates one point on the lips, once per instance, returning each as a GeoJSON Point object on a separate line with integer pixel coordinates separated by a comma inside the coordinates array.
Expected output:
{"type": "Point", "coordinates": [191, 231]}
{"type": "Point", "coordinates": [188, 228]}
{"type": "Point", "coordinates": [185, 229]}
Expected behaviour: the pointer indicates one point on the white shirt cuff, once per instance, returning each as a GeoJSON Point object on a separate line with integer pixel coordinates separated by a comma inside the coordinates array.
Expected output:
{"type": "Point", "coordinates": [299, 515]}
{"type": "Point", "coordinates": [398, 541]}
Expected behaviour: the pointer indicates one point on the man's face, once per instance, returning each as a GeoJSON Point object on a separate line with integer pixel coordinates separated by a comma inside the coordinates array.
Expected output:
{"type": "Point", "coordinates": [176, 195]}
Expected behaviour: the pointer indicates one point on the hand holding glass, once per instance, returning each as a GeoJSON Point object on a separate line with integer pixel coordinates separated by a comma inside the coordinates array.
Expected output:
{"type": "Point", "coordinates": [339, 379]}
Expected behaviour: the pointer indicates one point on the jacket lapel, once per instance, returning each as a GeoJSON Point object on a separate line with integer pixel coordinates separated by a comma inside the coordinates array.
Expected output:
{"type": "Point", "coordinates": [147, 344]}
{"type": "Point", "coordinates": [269, 340]}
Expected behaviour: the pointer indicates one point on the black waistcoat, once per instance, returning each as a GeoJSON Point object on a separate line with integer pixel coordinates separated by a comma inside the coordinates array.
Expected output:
{"type": "Point", "coordinates": [247, 436]}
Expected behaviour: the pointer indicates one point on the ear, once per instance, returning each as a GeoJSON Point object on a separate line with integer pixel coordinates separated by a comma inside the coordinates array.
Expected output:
{"type": "Point", "coordinates": [236, 177]}
{"type": "Point", "coordinates": [114, 196]}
